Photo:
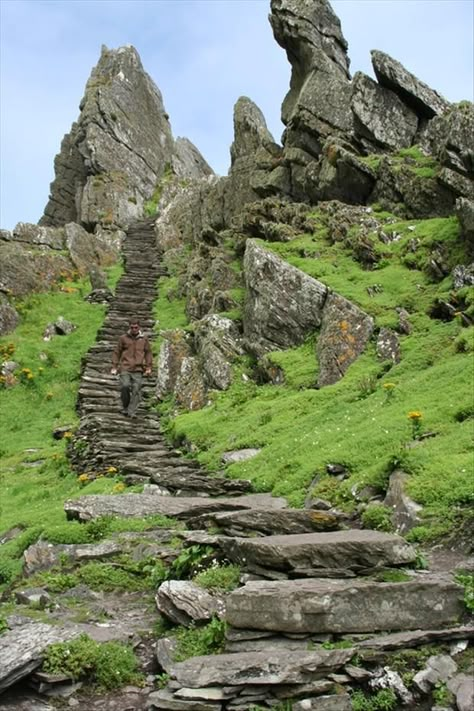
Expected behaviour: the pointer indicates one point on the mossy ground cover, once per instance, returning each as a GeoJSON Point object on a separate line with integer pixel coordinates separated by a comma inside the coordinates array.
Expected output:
{"type": "Point", "coordinates": [362, 421]}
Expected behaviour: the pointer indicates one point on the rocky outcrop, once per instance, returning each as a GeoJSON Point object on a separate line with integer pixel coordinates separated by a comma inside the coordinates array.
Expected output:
{"type": "Point", "coordinates": [119, 149]}
{"type": "Point", "coordinates": [190, 366]}
{"type": "Point", "coordinates": [34, 257]}
{"type": "Point", "coordinates": [380, 116]}
{"type": "Point", "coordinates": [391, 74]}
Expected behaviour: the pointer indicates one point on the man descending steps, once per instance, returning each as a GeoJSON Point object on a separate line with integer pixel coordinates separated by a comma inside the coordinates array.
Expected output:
{"type": "Point", "coordinates": [132, 358]}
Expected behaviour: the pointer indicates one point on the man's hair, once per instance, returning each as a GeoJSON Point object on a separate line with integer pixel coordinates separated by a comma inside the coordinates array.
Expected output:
{"type": "Point", "coordinates": [134, 322]}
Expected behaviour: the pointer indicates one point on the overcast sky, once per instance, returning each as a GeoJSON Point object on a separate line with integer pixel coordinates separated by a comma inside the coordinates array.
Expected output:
{"type": "Point", "coordinates": [203, 55]}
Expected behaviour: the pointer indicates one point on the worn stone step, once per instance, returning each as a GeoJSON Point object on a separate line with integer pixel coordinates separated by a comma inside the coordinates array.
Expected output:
{"type": "Point", "coordinates": [90, 507]}
{"type": "Point", "coordinates": [267, 522]}
{"type": "Point", "coordinates": [335, 554]}
{"type": "Point", "coordinates": [260, 668]}
{"type": "Point", "coordinates": [346, 606]}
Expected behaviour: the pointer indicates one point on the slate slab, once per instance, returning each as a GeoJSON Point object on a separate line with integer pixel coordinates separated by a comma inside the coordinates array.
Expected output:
{"type": "Point", "coordinates": [94, 506]}
{"type": "Point", "coordinates": [345, 606]}
{"type": "Point", "coordinates": [321, 554]}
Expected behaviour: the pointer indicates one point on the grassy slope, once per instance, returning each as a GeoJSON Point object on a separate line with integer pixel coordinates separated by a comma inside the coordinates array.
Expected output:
{"type": "Point", "coordinates": [356, 421]}
{"type": "Point", "coordinates": [35, 475]}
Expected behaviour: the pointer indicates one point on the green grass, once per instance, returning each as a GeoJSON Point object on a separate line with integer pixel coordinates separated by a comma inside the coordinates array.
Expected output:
{"type": "Point", "coordinates": [108, 665]}
{"type": "Point", "coordinates": [357, 421]}
{"type": "Point", "coordinates": [35, 475]}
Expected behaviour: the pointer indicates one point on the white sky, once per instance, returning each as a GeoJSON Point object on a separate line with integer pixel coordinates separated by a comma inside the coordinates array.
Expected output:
{"type": "Point", "coordinates": [203, 55]}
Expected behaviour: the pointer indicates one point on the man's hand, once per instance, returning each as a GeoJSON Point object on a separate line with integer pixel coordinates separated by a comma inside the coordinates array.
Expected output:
{"type": "Point", "coordinates": [147, 371]}
{"type": "Point", "coordinates": [113, 371]}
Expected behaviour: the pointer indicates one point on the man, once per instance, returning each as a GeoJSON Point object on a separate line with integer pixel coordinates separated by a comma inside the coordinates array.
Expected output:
{"type": "Point", "coordinates": [132, 357]}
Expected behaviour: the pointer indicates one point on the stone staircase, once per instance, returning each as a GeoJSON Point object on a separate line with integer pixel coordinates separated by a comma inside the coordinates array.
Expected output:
{"type": "Point", "coordinates": [305, 579]}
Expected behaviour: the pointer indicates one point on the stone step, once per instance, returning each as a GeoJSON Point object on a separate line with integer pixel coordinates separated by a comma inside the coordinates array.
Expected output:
{"type": "Point", "coordinates": [94, 506]}
{"type": "Point", "coordinates": [346, 606]}
{"type": "Point", "coordinates": [334, 554]}
{"type": "Point", "coordinates": [269, 522]}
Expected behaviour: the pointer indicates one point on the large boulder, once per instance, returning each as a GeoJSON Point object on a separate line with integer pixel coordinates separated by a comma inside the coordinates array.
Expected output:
{"type": "Point", "coordinates": [283, 304]}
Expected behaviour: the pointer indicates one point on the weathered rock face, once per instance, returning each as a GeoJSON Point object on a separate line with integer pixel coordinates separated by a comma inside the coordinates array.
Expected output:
{"type": "Point", "coordinates": [380, 115]}
{"type": "Point", "coordinates": [391, 74]}
{"type": "Point", "coordinates": [273, 318]}
{"type": "Point", "coordinates": [116, 153]}
{"type": "Point", "coordinates": [32, 257]}
{"type": "Point", "coordinates": [449, 139]}
{"type": "Point", "coordinates": [345, 331]}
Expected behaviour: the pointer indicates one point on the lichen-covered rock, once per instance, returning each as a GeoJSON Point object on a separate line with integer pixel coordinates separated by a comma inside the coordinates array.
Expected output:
{"type": "Point", "coordinates": [174, 349]}
{"type": "Point", "coordinates": [190, 389]}
{"type": "Point", "coordinates": [465, 213]}
{"type": "Point", "coordinates": [345, 332]}
{"type": "Point", "coordinates": [9, 317]}
{"type": "Point", "coordinates": [449, 138]}
{"type": "Point", "coordinates": [217, 343]}
{"type": "Point", "coordinates": [388, 346]}
{"type": "Point", "coordinates": [253, 154]}
{"type": "Point", "coordinates": [380, 116]}
{"type": "Point", "coordinates": [187, 162]}
{"type": "Point", "coordinates": [23, 270]}
{"type": "Point", "coordinates": [283, 304]}
{"type": "Point", "coordinates": [86, 249]}
{"type": "Point", "coordinates": [414, 93]}
{"type": "Point", "coordinates": [411, 195]}
{"type": "Point", "coordinates": [405, 511]}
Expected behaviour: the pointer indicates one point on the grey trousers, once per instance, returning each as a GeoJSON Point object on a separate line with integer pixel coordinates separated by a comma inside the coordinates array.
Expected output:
{"type": "Point", "coordinates": [130, 390]}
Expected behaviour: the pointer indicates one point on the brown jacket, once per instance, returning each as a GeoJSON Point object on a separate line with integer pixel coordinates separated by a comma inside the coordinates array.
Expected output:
{"type": "Point", "coordinates": [132, 353]}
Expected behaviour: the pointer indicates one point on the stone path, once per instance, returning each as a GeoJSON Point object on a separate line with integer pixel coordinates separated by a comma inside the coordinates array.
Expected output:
{"type": "Point", "coordinates": [305, 581]}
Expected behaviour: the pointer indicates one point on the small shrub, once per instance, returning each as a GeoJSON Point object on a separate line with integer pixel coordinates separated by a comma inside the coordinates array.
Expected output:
{"type": "Point", "coordinates": [109, 665]}
{"type": "Point", "coordinates": [383, 700]}
{"type": "Point", "coordinates": [377, 517]}
{"type": "Point", "coordinates": [190, 561]}
{"type": "Point", "coordinates": [222, 578]}
{"type": "Point", "coordinates": [467, 581]}
{"type": "Point", "coordinates": [200, 641]}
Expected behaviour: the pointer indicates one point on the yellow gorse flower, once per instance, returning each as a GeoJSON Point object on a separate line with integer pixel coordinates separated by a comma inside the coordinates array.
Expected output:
{"type": "Point", "coordinates": [414, 415]}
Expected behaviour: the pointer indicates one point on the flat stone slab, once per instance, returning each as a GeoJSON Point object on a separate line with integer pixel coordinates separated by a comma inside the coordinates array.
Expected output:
{"type": "Point", "coordinates": [345, 606]}
{"type": "Point", "coordinates": [22, 649]}
{"type": "Point", "coordinates": [267, 522]}
{"type": "Point", "coordinates": [259, 668]}
{"type": "Point", "coordinates": [94, 506]}
{"type": "Point", "coordinates": [398, 640]}
{"type": "Point", "coordinates": [338, 553]}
